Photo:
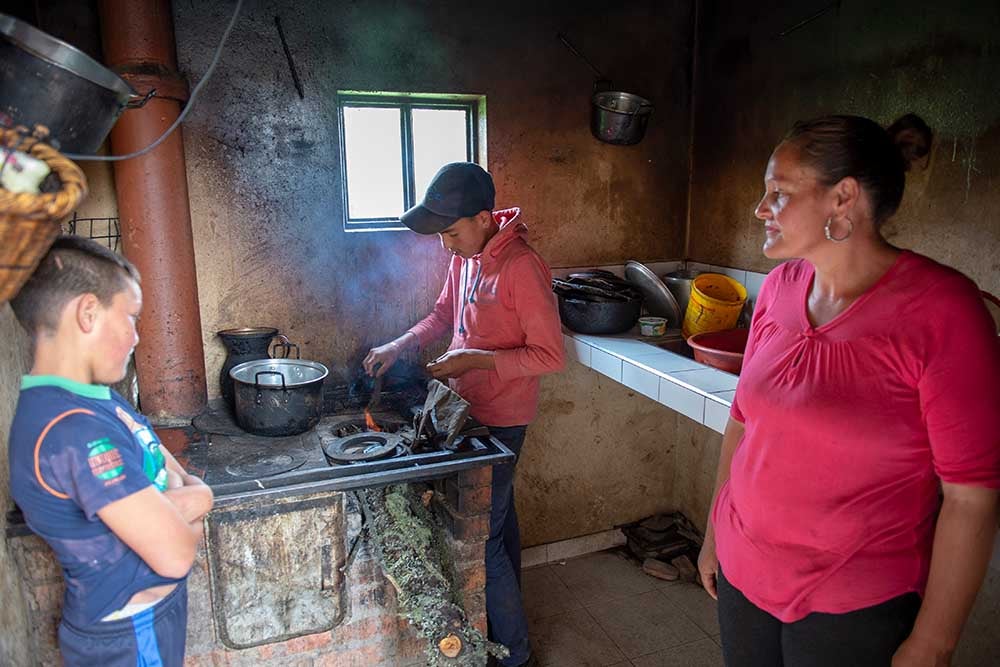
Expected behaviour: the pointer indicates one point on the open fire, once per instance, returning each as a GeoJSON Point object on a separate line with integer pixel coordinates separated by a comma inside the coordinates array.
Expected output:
{"type": "Point", "coordinates": [370, 422]}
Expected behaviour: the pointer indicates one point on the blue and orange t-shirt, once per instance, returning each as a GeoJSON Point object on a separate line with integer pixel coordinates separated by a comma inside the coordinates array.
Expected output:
{"type": "Point", "coordinates": [75, 448]}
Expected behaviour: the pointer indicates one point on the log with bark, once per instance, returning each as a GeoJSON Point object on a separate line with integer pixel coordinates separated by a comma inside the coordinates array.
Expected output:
{"type": "Point", "coordinates": [409, 544]}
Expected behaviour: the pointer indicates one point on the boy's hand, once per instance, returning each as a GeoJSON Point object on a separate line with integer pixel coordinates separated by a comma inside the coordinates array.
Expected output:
{"type": "Point", "coordinates": [458, 362]}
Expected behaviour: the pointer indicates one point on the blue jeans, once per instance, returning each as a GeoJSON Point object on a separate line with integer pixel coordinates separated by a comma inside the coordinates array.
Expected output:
{"type": "Point", "coordinates": [504, 608]}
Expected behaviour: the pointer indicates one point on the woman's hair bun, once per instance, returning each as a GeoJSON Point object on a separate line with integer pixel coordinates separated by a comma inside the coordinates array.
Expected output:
{"type": "Point", "coordinates": [912, 137]}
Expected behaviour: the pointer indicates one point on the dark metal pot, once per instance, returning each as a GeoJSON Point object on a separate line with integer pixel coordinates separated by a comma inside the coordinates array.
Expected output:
{"type": "Point", "coordinates": [278, 397]}
{"type": "Point", "coordinates": [247, 344]}
{"type": "Point", "coordinates": [45, 81]}
{"type": "Point", "coordinates": [592, 315]}
{"type": "Point", "coordinates": [619, 118]}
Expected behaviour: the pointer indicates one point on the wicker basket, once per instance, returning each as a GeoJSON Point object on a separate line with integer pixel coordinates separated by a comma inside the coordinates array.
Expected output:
{"type": "Point", "coordinates": [30, 223]}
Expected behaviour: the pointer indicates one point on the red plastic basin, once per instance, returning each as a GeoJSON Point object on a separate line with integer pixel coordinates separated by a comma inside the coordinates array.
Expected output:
{"type": "Point", "coordinates": [720, 349]}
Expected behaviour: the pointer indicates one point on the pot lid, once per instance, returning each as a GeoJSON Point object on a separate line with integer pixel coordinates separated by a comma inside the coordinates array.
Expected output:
{"type": "Point", "coordinates": [278, 372]}
{"type": "Point", "coordinates": [66, 56]}
{"type": "Point", "coordinates": [658, 299]}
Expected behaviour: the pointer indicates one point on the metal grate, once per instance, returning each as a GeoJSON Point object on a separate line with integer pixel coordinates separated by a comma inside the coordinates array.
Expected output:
{"type": "Point", "coordinates": [103, 230]}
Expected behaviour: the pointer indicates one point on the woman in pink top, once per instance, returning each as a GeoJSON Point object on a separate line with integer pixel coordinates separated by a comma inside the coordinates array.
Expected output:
{"type": "Point", "coordinates": [855, 503]}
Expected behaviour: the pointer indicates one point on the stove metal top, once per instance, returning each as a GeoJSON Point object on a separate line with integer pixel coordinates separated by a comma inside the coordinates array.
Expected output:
{"type": "Point", "coordinates": [239, 466]}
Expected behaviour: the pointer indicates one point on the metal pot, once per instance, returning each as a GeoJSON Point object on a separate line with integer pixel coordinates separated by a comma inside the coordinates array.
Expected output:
{"type": "Point", "coordinates": [277, 397]}
{"type": "Point", "coordinates": [619, 118]}
{"type": "Point", "coordinates": [45, 81]}
{"type": "Point", "coordinates": [588, 314]}
{"type": "Point", "coordinates": [679, 284]}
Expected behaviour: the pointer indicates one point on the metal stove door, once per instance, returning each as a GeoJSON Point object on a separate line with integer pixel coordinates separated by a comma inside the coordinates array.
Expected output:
{"type": "Point", "coordinates": [275, 569]}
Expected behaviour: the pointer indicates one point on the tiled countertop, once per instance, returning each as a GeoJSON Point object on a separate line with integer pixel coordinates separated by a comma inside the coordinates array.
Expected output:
{"type": "Point", "coordinates": [695, 390]}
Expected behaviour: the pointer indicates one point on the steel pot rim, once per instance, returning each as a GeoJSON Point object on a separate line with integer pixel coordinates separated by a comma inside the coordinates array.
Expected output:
{"type": "Point", "coordinates": [249, 369]}
{"type": "Point", "coordinates": [599, 100]}
{"type": "Point", "coordinates": [65, 56]}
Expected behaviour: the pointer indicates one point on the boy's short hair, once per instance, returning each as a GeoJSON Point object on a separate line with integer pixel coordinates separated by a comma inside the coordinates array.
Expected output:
{"type": "Point", "coordinates": [74, 265]}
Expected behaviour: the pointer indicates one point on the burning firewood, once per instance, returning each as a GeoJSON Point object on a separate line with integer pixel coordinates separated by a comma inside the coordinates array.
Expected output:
{"type": "Point", "coordinates": [407, 542]}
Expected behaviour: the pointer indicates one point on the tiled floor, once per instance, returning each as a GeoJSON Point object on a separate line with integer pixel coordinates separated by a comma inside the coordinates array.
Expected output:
{"type": "Point", "coordinates": [603, 610]}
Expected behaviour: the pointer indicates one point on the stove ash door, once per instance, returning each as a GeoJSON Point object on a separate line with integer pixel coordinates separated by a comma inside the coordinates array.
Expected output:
{"type": "Point", "coordinates": [275, 569]}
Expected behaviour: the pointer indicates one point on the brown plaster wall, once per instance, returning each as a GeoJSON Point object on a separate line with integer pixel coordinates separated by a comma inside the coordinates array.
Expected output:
{"type": "Point", "coordinates": [881, 60]}
{"type": "Point", "coordinates": [14, 361]}
{"type": "Point", "coordinates": [264, 172]}
{"type": "Point", "coordinates": [601, 455]}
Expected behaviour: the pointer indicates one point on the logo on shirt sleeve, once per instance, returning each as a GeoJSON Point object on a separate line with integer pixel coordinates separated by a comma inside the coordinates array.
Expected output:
{"type": "Point", "coordinates": [105, 461]}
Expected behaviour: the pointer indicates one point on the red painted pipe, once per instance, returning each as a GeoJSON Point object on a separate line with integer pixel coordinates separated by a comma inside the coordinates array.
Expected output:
{"type": "Point", "coordinates": [138, 37]}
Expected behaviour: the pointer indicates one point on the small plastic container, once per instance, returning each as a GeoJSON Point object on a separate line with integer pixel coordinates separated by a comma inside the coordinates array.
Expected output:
{"type": "Point", "coordinates": [652, 326]}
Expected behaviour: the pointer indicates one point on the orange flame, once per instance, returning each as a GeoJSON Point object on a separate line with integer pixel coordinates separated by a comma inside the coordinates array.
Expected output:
{"type": "Point", "coordinates": [370, 421]}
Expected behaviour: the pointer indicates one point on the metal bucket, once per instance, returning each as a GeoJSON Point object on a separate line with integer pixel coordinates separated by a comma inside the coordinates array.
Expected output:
{"type": "Point", "coordinates": [45, 81]}
{"type": "Point", "coordinates": [619, 118]}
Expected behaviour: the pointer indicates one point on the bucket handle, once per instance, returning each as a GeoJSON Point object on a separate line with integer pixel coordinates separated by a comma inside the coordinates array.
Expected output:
{"type": "Point", "coordinates": [285, 346]}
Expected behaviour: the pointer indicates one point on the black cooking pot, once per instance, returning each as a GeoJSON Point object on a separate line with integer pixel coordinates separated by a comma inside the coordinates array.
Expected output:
{"type": "Point", "coordinates": [278, 397]}
{"type": "Point", "coordinates": [589, 314]}
{"type": "Point", "coordinates": [45, 81]}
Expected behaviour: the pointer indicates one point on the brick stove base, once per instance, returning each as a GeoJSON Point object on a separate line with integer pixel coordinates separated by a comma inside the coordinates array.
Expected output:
{"type": "Point", "coordinates": [371, 634]}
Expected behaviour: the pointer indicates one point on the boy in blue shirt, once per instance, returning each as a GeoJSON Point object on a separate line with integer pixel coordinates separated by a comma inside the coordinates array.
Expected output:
{"type": "Point", "coordinates": [90, 475]}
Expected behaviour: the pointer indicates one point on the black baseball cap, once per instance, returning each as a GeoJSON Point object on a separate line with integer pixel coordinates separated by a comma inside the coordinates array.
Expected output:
{"type": "Point", "coordinates": [458, 190]}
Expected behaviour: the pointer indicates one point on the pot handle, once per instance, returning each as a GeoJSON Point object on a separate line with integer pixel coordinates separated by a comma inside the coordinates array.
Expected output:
{"type": "Point", "coordinates": [256, 379]}
{"type": "Point", "coordinates": [139, 101]}
{"type": "Point", "coordinates": [285, 346]}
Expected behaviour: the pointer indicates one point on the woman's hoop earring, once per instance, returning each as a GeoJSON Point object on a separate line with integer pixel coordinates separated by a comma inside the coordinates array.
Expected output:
{"type": "Point", "coordinates": [838, 239]}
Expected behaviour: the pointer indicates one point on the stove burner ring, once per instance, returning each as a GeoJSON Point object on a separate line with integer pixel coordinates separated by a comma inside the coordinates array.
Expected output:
{"type": "Point", "coordinates": [365, 446]}
{"type": "Point", "coordinates": [256, 466]}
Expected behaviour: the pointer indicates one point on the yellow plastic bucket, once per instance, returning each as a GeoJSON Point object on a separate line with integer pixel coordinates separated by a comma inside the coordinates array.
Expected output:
{"type": "Point", "coordinates": [715, 305]}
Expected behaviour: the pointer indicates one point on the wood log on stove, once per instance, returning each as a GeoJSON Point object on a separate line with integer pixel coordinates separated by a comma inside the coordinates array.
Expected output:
{"type": "Point", "coordinates": [408, 544]}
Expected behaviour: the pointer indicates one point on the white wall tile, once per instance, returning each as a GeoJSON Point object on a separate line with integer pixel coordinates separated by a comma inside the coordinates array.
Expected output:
{"type": "Point", "coordinates": [641, 380]}
{"type": "Point", "coordinates": [753, 284]}
{"type": "Point", "coordinates": [663, 268]}
{"type": "Point", "coordinates": [739, 275]}
{"type": "Point", "coordinates": [700, 267]}
{"type": "Point", "coordinates": [624, 347]}
{"type": "Point", "coordinates": [708, 380]}
{"type": "Point", "coordinates": [577, 350]}
{"type": "Point", "coordinates": [716, 415]}
{"type": "Point", "coordinates": [725, 397]}
{"type": "Point", "coordinates": [677, 397]}
{"type": "Point", "coordinates": [605, 363]}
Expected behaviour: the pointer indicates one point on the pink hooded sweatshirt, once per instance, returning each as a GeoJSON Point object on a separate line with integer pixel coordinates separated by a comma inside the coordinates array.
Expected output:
{"type": "Point", "coordinates": [500, 300]}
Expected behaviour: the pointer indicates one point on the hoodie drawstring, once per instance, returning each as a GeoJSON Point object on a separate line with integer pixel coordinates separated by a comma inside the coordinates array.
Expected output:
{"type": "Point", "coordinates": [467, 296]}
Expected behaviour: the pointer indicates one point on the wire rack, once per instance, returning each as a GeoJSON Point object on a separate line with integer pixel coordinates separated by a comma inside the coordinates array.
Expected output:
{"type": "Point", "coordinates": [106, 231]}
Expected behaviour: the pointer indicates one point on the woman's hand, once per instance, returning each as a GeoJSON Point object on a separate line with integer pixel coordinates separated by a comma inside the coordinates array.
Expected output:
{"type": "Point", "coordinates": [708, 568]}
{"type": "Point", "coordinates": [458, 362]}
{"type": "Point", "coordinates": [915, 653]}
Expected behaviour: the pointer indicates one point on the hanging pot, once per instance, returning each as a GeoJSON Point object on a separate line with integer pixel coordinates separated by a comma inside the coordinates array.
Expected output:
{"type": "Point", "coordinates": [616, 117]}
{"type": "Point", "coordinates": [45, 81]}
{"type": "Point", "coordinates": [278, 397]}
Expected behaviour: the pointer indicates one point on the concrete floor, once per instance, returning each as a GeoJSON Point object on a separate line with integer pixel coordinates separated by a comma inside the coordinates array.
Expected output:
{"type": "Point", "coordinates": [602, 610]}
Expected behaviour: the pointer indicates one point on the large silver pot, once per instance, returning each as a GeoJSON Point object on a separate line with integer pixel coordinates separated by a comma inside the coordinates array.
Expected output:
{"type": "Point", "coordinates": [278, 397]}
{"type": "Point", "coordinates": [619, 118]}
{"type": "Point", "coordinates": [45, 81]}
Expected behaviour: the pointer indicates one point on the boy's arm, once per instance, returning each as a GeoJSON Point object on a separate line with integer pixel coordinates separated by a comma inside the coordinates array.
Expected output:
{"type": "Point", "coordinates": [194, 499]}
{"type": "Point", "coordinates": [536, 309]}
{"type": "Point", "coordinates": [155, 529]}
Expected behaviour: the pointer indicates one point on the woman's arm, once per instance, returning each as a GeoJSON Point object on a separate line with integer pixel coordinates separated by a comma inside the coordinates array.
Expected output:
{"type": "Point", "coordinates": [708, 563]}
{"type": "Point", "coordinates": [963, 543]}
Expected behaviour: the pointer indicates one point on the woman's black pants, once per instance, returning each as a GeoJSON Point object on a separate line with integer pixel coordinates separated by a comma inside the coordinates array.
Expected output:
{"type": "Point", "coordinates": [867, 637]}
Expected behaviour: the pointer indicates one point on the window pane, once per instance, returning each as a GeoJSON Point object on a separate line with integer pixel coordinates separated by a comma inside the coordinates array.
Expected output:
{"type": "Point", "coordinates": [439, 137]}
{"type": "Point", "coordinates": [373, 144]}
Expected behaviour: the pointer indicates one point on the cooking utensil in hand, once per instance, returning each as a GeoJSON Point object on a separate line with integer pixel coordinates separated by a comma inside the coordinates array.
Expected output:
{"type": "Point", "coordinates": [376, 397]}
